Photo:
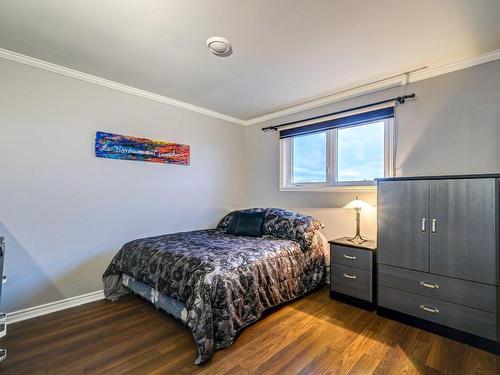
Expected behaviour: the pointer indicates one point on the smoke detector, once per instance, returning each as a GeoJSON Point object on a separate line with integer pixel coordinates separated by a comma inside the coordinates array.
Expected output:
{"type": "Point", "coordinates": [219, 46]}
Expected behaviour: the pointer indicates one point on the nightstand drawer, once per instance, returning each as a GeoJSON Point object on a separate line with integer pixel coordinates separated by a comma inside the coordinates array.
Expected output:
{"type": "Point", "coordinates": [352, 257]}
{"type": "Point", "coordinates": [352, 281]}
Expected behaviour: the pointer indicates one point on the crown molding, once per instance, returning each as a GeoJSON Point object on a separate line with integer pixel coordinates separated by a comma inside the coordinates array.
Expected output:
{"type": "Point", "coordinates": [45, 65]}
{"type": "Point", "coordinates": [361, 88]}
{"type": "Point", "coordinates": [455, 66]}
{"type": "Point", "coordinates": [381, 84]}
{"type": "Point", "coordinates": [348, 93]}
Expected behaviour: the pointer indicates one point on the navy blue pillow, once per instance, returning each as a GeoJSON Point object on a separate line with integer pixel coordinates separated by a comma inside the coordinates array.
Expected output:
{"type": "Point", "coordinates": [232, 223]}
{"type": "Point", "coordinates": [250, 224]}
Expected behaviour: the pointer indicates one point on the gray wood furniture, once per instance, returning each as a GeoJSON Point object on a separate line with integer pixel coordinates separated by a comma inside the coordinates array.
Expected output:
{"type": "Point", "coordinates": [438, 255]}
{"type": "Point", "coordinates": [352, 275]}
{"type": "Point", "coordinates": [3, 316]}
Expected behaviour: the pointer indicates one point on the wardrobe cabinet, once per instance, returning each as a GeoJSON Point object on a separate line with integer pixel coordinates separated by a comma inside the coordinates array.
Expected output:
{"type": "Point", "coordinates": [3, 316]}
{"type": "Point", "coordinates": [438, 255]}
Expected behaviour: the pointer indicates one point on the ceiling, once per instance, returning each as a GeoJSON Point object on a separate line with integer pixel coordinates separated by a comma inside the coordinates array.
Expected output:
{"type": "Point", "coordinates": [285, 52]}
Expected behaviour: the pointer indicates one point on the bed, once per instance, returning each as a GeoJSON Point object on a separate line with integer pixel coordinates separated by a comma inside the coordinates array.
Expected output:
{"type": "Point", "coordinates": [217, 283]}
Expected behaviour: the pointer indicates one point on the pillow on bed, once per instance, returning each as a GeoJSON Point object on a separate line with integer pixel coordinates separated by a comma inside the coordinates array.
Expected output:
{"type": "Point", "coordinates": [250, 224]}
{"type": "Point", "coordinates": [227, 221]}
{"type": "Point", "coordinates": [289, 225]}
{"type": "Point", "coordinates": [231, 226]}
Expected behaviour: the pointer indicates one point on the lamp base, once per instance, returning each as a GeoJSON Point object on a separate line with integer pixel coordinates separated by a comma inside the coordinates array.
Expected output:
{"type": "Point", "coordinates": [357, 239]}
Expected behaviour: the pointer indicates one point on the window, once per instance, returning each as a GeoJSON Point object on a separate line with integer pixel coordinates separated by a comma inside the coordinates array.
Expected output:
{"type": "Point", "coordinates": [309, 158]}
{"type": "Point", "coordinates": [343, 158]}
{"type": "Point", "coordinates": [360, 152]}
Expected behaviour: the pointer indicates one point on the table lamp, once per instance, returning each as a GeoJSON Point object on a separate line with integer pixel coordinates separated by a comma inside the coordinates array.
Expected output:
{"type": "Point", "coordinates": [357, 204]}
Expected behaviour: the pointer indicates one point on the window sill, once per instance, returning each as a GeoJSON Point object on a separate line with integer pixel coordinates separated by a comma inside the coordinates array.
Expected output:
{"type": "Point", "coordinates": [330, 189]}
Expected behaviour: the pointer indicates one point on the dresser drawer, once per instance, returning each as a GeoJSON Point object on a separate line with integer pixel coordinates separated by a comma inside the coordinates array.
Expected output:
{"type": "Point", "coordinates": [479, 296]}
{"type": "Point", "coordinates": [352, 257]}
{"type": "Point", "coordinates": [352, 281]}
{"type": "Point", "coordinates": [476, 322]}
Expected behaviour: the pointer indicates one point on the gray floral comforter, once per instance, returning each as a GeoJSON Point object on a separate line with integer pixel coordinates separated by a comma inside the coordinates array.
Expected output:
{"type": "Point", "coordinates": [225, 282]}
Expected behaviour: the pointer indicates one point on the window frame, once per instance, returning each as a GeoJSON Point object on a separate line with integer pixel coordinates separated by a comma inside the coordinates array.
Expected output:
{"type": "Point", "coordinates": [332, 184]}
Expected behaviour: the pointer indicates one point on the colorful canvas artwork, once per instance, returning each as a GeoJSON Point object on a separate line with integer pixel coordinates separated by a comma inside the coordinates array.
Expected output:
{"type": "Point", "coordinates": [114, 146]}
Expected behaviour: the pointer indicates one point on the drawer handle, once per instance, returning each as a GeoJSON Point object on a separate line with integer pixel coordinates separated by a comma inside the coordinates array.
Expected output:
{"type": "Point", "coordinates": [429, 309]}
{"type": "Point", "coordinates": [430, 286]}
{"type": "Point", "coordinates": [349, 276]}
{"type": "Point", "coordinates": [349, 257]}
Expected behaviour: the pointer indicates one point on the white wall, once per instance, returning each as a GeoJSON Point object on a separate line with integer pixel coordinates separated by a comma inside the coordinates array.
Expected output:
{"type": "Point", "coordinates": [453, 127]}
{"type": "Point", "coordinates": [64, 212]}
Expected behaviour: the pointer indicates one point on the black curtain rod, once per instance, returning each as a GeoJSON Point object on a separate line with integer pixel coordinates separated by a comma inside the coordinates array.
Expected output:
{"type": "Point", "coordinates": [398, 99]}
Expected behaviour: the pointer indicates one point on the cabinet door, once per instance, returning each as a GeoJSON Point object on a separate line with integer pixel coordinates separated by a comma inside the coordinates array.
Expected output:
{"type": "Point", "coordinates": [2, 254]}
{"type": "Point", "coordinates": [402, 216]}
{"type": "Point", "coordinates": [463, 242]}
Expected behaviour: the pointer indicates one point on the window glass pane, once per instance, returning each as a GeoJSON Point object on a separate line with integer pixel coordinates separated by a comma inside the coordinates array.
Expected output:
{"type": "Point", "coordinates": [309, 158]}
{"type": "Point", "coordinates": [360, 154]}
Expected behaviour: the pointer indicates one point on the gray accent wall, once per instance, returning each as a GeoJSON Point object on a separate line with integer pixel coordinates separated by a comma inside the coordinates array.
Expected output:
{"type": "Point", "coordinates": [453, 127]}
{"type": "Point", "coordinates": [64, 212]}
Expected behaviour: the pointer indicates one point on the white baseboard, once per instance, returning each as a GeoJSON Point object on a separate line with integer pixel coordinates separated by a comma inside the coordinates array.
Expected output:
{"type": "Point", "coordinates": [33, 312]}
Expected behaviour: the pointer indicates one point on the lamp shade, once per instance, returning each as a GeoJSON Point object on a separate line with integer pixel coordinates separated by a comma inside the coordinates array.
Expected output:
{"type": "Point", "coordinates": [357, 203]}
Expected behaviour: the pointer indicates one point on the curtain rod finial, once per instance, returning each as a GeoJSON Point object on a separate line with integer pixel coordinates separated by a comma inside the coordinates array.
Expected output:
{"type": "Point", "coordinates": [402, 99]}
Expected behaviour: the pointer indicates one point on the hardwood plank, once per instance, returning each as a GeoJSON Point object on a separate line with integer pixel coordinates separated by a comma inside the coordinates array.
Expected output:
{"type": "Point", "coordinates": [293, 357]}
{"type": "Point", "coordinates": [312, 335]}
{"type": "Point", "coordinates": [366, 365]}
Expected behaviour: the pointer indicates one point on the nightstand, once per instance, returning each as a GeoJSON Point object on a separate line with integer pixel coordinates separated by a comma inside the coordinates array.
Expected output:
{"type": "Point", "coordinates": [352, 273]}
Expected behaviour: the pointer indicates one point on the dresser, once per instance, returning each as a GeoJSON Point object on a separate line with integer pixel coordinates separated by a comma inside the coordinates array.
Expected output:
{"type": "Point", "coordinates": [352, 274]}
{"type": "Point", "coordinates": [438, 258]}
{"type": "Point", "coordinates": [3, 316]}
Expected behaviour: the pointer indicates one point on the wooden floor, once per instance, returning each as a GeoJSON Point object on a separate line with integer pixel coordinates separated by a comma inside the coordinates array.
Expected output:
{"type": "Point", "coordinates": [313, 335]}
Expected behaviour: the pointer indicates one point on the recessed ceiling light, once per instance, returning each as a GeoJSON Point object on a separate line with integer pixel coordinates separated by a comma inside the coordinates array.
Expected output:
{"type": "Point", "coordinates": [219, 46]}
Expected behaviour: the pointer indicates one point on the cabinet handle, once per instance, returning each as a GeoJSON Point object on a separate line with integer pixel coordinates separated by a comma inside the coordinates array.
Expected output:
{"type": "Point", "coordinates": [349, 276]}
{"type": "Point", "coordinates": [429, 309]}
{"type": "Point", "coordinates": [430, 286]}
{"type": "Point", "coordinates": [433, 226]}
{"type": "Point", "coordinates": [423, 224]}
{"type": "Point", "coordinates": [349, 257]}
